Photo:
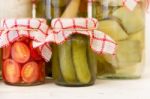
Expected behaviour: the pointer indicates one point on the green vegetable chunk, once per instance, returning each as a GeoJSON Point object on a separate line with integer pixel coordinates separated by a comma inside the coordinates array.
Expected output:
{"type": "Point", "coordinates": [55, 63]}
{"type": "Point", "coordinates": [79, 49]}
{"type": "Point", "coordinates": [66, 64]}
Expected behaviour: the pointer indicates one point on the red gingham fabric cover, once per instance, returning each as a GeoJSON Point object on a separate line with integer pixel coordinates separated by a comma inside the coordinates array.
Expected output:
{"type": "Point", "coordinates": [36, 29]}
{"type": "Point", "coordinates": [63, 28]}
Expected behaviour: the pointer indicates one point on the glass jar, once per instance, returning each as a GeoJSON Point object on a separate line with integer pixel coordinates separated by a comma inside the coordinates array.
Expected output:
{"type": "Point", "coordinates": [127, 27]}
{"type": "Point", "coordinates": [22, 64]}
{"type": "Point", "coordinates": [73, 62]}
{"type": "Point", "coordinates": [7, 10]}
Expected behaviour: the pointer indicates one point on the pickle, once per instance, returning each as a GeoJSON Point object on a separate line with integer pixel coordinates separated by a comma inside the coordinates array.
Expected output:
{"type": "Point", "coordinates": [79, 49]}
{"type": "Point", "coordinates": [92, 61]}
{"type": "Point", "coordinates": [113, 29]}
{"type": "Point", "coordinates": [66, 63]}
{"type": "Point", "coordinates": [132, 21]}
{"type": "Point", "coordinates": [128, 53]}
{"type": "Point", "coordinates": [139, 36]}
{"type": "Point", "coordinates": [55, 63]}
{"type": "Point", "coordinates": [72, 9]}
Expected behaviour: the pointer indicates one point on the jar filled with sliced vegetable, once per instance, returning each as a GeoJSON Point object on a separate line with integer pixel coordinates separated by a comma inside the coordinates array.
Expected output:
{"type": "Point", "coordinates": [69, 66]}
{"type": "Point", "coordinates": [74, 43]}
{"type": "Point", "coordinates": [14, 9]}
{"type": "Point", "coordinates": [74, 63]}
{"type": "Point", "coordinates": [124, 21]}
{"type": "Point", "coordinates": [23, 64]}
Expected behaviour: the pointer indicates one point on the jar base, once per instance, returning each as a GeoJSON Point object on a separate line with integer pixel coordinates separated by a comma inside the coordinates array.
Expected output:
{"type": "Point", "coordinates": [25, 84]}
{"type": "Point", "coordinates": [118, 77]}
{"type": "Point", "coordinates": [73, 85]}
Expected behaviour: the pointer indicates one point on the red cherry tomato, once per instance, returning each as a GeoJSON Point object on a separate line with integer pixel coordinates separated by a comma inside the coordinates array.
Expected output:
{"type": "Point", "coordinates": [30, 72]}
{"type": "Point", "coordinates": [11, 71]}
{"type": "Point", "coordinates": [20, 52]}
{"type": "Point", "coordinates": [35, 53]}
{"type": "Point", "coordinates": [6, 52]}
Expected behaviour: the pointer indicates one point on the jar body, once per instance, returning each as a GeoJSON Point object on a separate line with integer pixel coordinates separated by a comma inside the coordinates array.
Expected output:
{"type": "Point", "coordinates": [74, 63]}
{"type": "Point", "coordinates": [15, 9]}
{"type": "Point", "coordinates": [22, 64]}
{"type": "Point", "coordinates": [127, 28]}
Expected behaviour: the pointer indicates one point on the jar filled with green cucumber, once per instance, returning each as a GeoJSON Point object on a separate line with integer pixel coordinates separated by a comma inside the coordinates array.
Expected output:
{"type": "Point", "coordinates": [127, 27]}
{"type": "Point", "coordinates": [73, 62]}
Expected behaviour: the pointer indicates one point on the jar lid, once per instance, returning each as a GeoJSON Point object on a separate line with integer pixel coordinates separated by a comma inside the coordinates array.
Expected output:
{"type": "Point", "coordinates": [35, 29]}
{"type": "Point", "coordinates": [76, 23]}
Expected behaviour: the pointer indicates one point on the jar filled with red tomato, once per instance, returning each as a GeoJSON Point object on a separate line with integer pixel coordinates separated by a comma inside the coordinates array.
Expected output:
{"type": "Point", "coordinates": [22, 63]}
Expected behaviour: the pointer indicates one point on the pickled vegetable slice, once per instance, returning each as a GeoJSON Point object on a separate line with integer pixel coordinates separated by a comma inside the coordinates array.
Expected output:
{"type": "Point", "coordinates": [128, 53]}
{"type": "Point", "coordinates": [139, 36]}
{"type": "Point", "coordinates": [132, 21]}
{"type": "Point", "coordinates": [55, 63]}
{"type": "Point", "coordinates": [66, 63]}
{"type": "Point", "coordinates": [79, 50]}
{"type": "Point", "coordinates": [113, 29]}
{"type": "Point", "coordinates": [92, 61]}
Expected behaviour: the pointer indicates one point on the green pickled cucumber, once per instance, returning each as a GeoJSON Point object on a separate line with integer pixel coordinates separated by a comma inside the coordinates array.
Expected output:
{"type": "Point", "coordinates": [79, 49]}
{"type": "Point", "coordinates": [55, 64]}
{"type": "Point", "coordinates": [92, 61]}
{"type": "Point", "coordinates": [113, 29]}
{"type": "Point", "coordinates": [66, 63]}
